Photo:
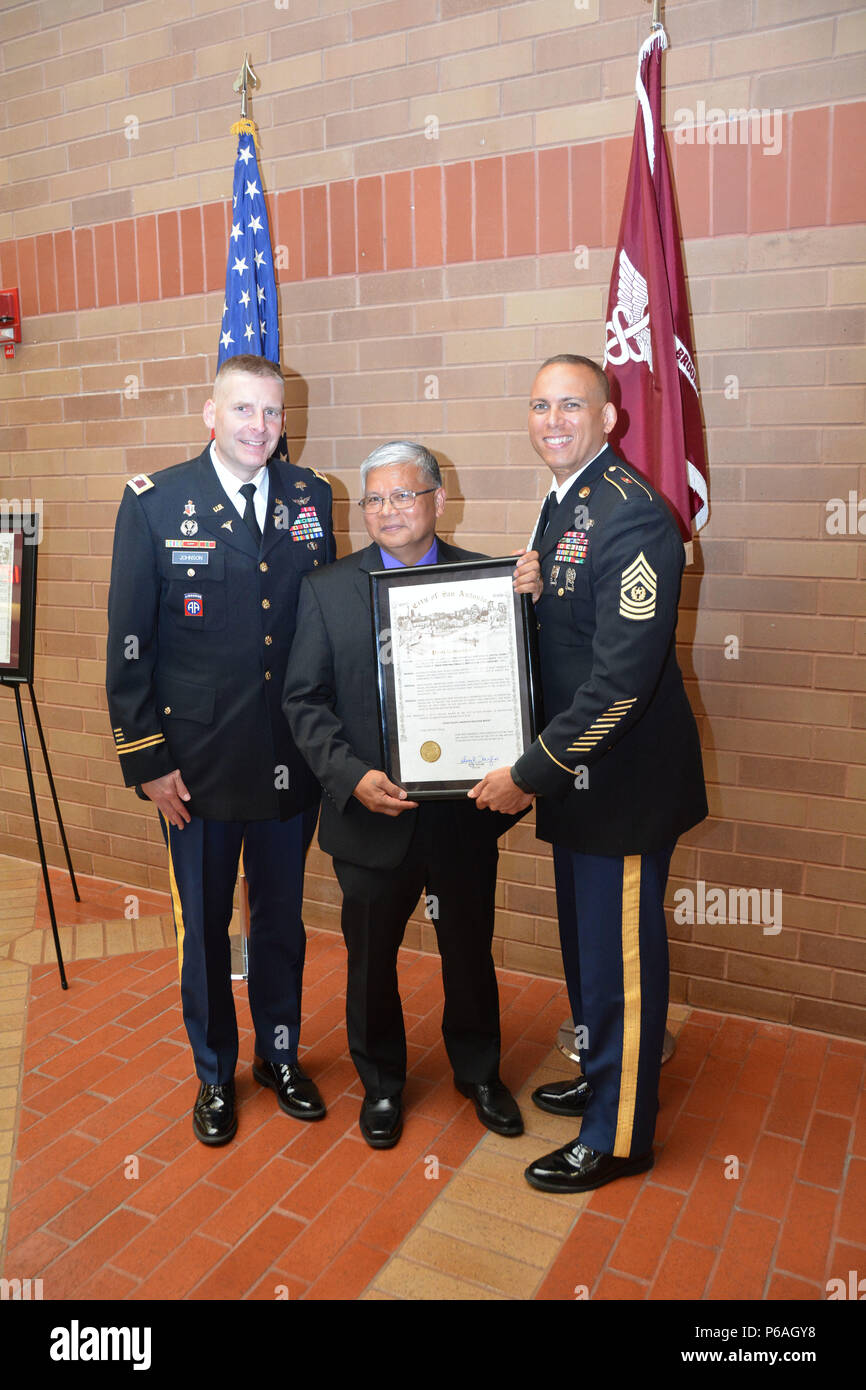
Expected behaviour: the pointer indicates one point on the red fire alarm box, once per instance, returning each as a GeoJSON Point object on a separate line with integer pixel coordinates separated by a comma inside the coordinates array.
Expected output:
{"type": "Point", "coordinates": [10, 317]}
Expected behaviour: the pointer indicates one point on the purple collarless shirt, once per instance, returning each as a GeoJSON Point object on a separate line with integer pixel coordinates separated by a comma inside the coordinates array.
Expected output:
{"type": "Point", "coordinates": [390, 562]}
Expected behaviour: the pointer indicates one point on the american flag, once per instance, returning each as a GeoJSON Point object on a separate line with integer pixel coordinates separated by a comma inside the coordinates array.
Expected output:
{"type": "Point", "coordinates": [250, 319]}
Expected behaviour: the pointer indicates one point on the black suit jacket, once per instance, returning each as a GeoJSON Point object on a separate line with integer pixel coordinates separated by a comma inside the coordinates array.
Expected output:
{"type": "Point", "coordinates": [199, 629]}
{"type": "Point", "coordinates": [330, 701]}
{"type": "Point", "coordinates": [614, 700]}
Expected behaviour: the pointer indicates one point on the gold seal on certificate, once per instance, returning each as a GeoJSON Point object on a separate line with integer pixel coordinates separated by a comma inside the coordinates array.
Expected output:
{"type": "Point", "coordinates": [455, 657]}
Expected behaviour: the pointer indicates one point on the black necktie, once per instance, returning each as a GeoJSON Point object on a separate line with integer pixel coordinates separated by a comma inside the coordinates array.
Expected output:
{"type": "Point", "coordinates": [248, 491]}
{"type": "Point", "coordinates": [548, 513]}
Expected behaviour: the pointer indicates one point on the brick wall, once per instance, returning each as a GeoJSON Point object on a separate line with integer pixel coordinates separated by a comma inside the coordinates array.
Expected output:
{"type": "Point", "coordinates": [426, 272]}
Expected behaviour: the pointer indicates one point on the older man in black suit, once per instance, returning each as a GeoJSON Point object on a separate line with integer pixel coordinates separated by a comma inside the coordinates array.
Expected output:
{"type": "Point", "coordinates": [386, 848]}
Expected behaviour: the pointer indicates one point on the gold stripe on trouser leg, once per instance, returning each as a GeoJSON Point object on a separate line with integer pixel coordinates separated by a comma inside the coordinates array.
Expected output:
{"type": "Point", "coordinates": [175, 900]}
{"type": "Point", "coordinates": [631, 1004]}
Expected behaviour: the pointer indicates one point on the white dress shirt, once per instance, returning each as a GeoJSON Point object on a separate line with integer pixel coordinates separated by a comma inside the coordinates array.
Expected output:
{"type": "Point", "coordinates": [232, 486]}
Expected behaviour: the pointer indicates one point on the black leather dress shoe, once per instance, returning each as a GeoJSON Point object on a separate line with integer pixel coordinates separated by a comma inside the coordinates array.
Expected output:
{"type": "Point", "coordinates": [382, 1121]}
{"type": "Point", "coordinates": [213, 1115]}
{"type": "Point", "coordinates": [578, 1168]}
{"type": "Point", "coordinates": [495, 1106]}
{"type": "Point", "coordinates": [567, 1098]}
{"type": "Point", "coordinates": [297, 1095]}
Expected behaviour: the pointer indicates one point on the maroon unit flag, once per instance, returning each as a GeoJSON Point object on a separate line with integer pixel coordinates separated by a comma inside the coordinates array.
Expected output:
{"type": "Point", "coordinates": [648, 352]}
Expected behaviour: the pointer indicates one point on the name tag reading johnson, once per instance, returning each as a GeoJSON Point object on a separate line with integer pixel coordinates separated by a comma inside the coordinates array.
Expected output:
{"type": "Point", "coordinates": [457, 673]}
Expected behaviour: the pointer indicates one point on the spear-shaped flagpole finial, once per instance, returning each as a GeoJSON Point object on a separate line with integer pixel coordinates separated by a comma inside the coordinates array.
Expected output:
{"type": "Point", "coordinates": [656, 22]}
{"type": "Point", "coordinates": [245, 75]}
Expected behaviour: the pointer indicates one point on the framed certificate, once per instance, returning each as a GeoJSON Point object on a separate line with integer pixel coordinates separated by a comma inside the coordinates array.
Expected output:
{"type": "Point", "coordinates": [19, 533]}
{"type": "Point", "coordinates": [457, 673]}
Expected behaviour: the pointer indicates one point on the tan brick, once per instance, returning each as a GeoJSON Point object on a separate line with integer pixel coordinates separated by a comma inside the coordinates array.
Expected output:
{"type": "Point", "coordinates": [850, 33]}
{"type": "Point", "coordinates": [153, 14]}
{"type": "Point", "coordinates": [409, 81]}
{"type": "Point", "coordinates": [95, 31]}
{"type": "Point", "coordinates": [847, 285]}
{"type": "Point", "coordinates": [589, 121]}
{"type": "Point", "coordinates": [474, 104]}
{"type": "Point", "coordinates": [36, 164]}
{"type": "Point", "coordinates": [454, 36]}
{"type": "Point", "coordinates": [453, 314]}
{"type": "Point", "coordinates": [142, 169]}
{"type": "Point", "coordinates": [372, 123]}
{"type": "Point", "coordinates": [795, 43]}
{"type": "Point", "coordinates": [502, 346]}
{"type": "Point", "coordinates": [404, 1279]}
{"type": "Point", "coordinates": [552, 89]}
{"type": "Point", "coordinates": [488, 65]}
{"type": "Point", "coordinates": [840, 79]}
{"type": "Point", "coordinates": [48, 219]}
{"type": "Point", "coordinates": [96, 90]}
{"type": "Point", "coordinates": [729, 94]}
{"type": "Point", "coordinates": [145, 106]}
{"type": "Point", "coordinates": [33, 49]}
{"type": "Point", "coordinates": [815, 558]}
{"type": "Point", "coordinates": [121, 319]}
{"type": "Point", "coordinates": [385, 51]}
{"type": "Point", "coordinates": [321, 167]}
{"type": "Point", "coordinates": [25, 19]}
{"type": "Point", "coordinates": [554, 306]}
{"type": "Point", "coordinates": [545, 17]}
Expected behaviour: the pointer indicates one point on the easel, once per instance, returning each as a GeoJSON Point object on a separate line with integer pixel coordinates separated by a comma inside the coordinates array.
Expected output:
{"type": "Point", "coordinates": [20, 672]}
{"type": "Point", "coordinates": [16, 686]}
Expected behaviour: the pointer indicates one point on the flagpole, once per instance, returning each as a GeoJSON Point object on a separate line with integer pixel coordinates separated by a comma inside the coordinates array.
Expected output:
{"type": "Point", "coordinates": [656, 20]}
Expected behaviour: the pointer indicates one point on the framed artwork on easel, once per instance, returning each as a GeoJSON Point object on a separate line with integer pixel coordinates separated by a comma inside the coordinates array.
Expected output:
{"type": "Point", "coordinates": [19, 533]}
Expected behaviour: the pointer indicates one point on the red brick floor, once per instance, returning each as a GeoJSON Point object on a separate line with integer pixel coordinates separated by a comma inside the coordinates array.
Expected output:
{"type": "Point", "coordinates": [759, 1188]}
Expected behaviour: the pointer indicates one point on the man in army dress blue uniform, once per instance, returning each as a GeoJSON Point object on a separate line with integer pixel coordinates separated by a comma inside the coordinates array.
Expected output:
{"type": "Point", "coordinates": [207, 564]}
{"type": "Point", "coordinates": [617, 768]}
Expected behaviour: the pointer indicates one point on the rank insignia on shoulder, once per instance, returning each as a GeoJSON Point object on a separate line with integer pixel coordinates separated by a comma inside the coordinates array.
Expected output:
{"type": "Point", "coordinates": [140, 483]}
{"type": "Point", "coordinates": [320, 475]}
{"type": "Point", "coordinates": [638, 587]}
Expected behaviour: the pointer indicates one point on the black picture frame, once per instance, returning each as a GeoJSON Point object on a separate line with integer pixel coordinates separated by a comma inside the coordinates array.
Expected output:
{"type": "Point", "coordinates": [18, 595]}
{"type": "Point", "coordinates": [383, 583]}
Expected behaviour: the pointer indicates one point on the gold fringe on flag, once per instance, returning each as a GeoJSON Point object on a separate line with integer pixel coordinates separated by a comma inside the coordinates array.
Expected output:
{"type": "Point", "coordinates": [246, 127]}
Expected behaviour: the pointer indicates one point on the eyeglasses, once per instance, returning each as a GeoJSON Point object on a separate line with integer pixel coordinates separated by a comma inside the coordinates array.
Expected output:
{"type": "Point", "coordinates": [401, 500]}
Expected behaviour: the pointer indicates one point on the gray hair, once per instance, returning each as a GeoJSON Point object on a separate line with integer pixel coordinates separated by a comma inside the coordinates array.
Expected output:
{"type": "Point", "coordinates": [402, 451]}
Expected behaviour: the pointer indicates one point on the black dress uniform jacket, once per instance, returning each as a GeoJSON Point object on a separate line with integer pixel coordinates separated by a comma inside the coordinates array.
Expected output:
{"type": "Point", "coordinates": [331, 704]}
{"type": "Point", "coordinates": [200, 625]}
{"type": "Point", "coordinates": [614, 699]}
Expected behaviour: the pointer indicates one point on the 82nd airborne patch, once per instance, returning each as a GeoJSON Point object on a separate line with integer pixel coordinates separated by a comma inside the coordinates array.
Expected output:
{"type": "Point", "coordinates": [637, 590]}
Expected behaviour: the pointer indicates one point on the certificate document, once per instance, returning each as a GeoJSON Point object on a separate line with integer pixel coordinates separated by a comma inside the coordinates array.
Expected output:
{"type": "Point", "coordinates": [456, 677]}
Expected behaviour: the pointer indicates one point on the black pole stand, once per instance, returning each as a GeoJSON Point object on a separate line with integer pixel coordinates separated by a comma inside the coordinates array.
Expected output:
{"type": "Point", "coordinates": [16, 686]}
